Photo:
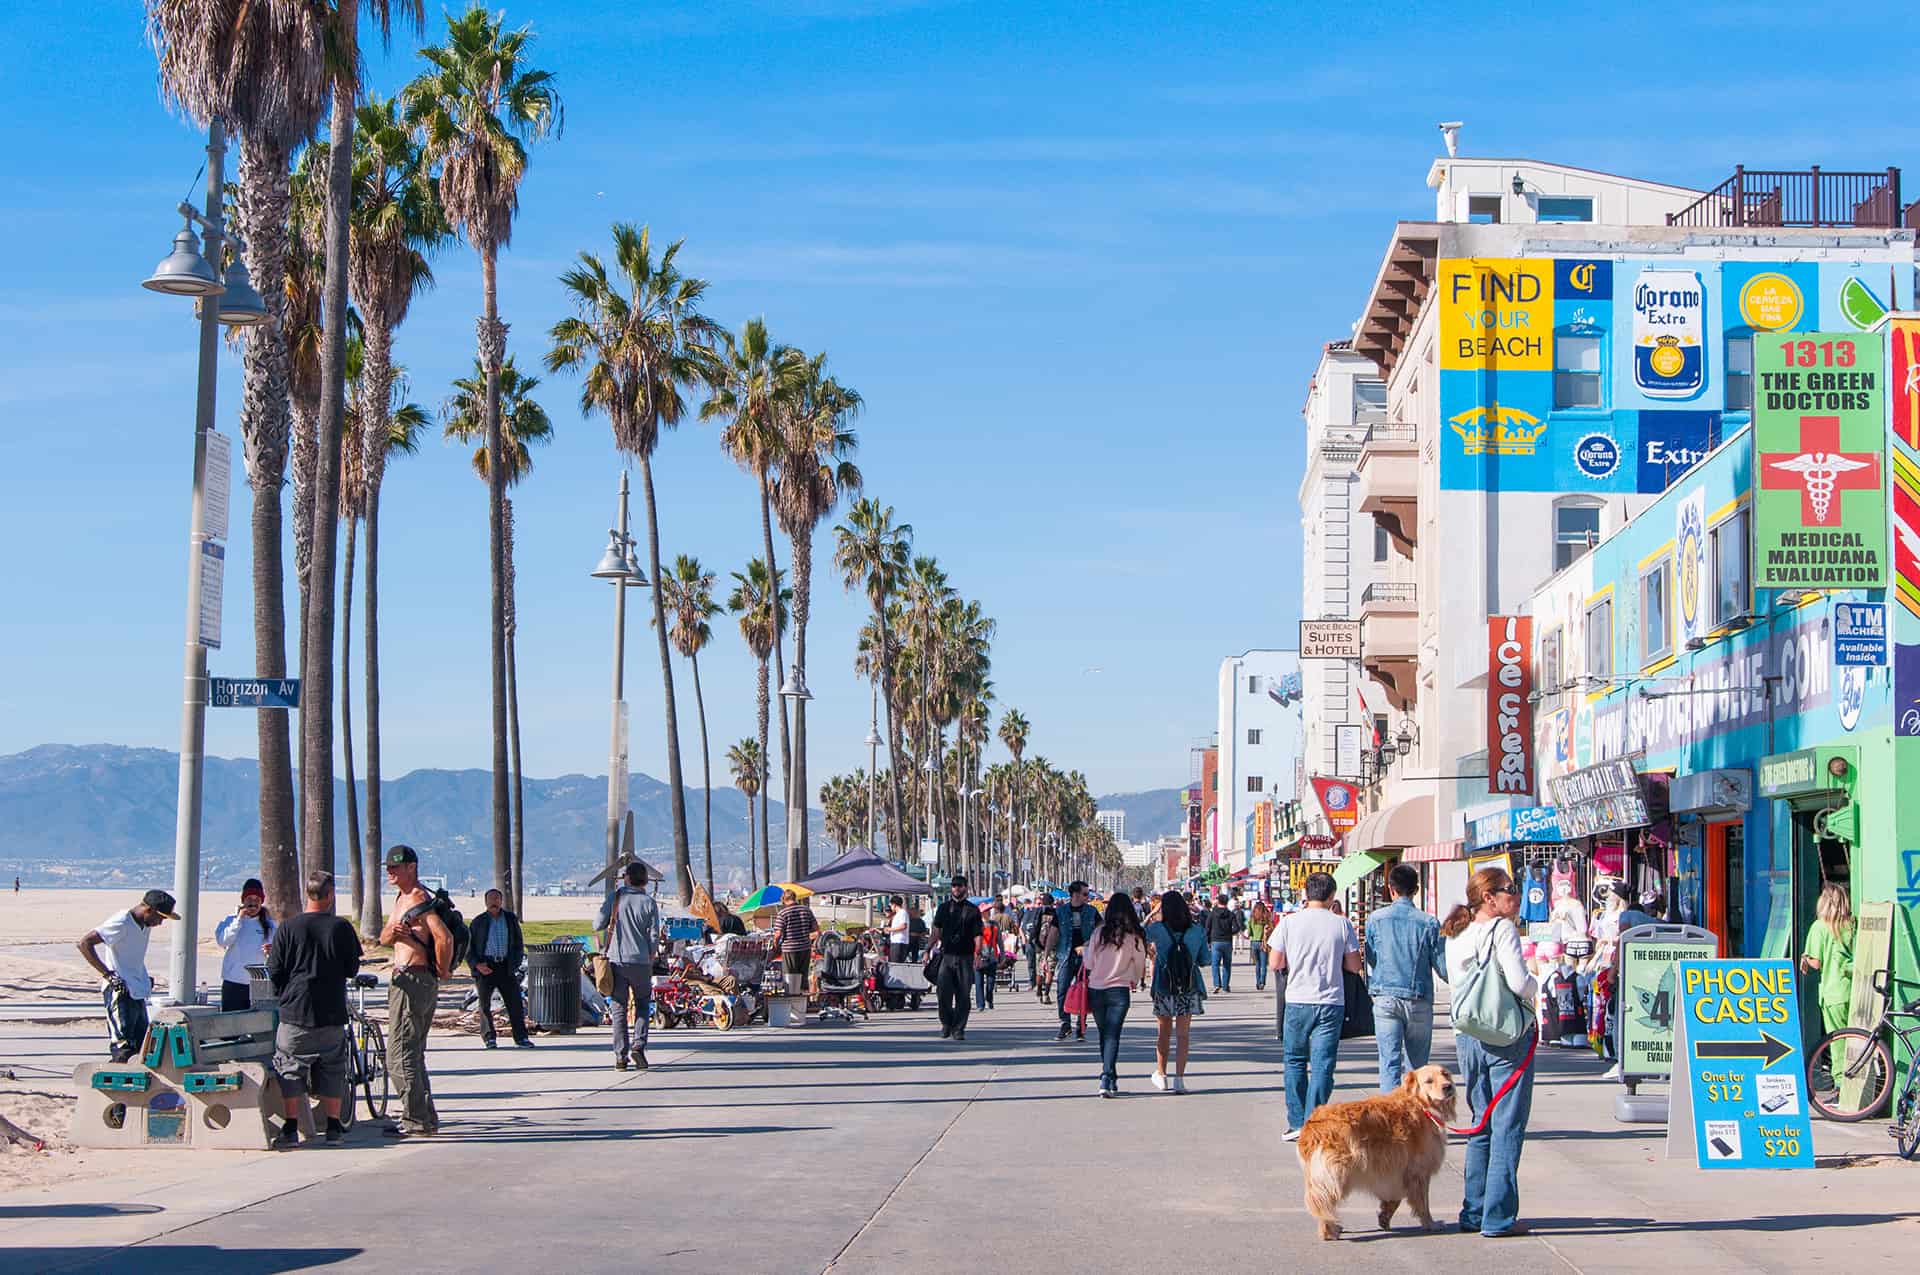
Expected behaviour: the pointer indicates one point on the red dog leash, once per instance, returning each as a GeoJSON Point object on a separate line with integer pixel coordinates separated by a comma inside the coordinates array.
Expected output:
{"type": "Point", "coordinates": [1500, 1093]}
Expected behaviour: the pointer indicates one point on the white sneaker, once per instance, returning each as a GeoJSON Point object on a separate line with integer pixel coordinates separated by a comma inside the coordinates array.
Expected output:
{"type": "Point", "coordinates": [1613, 1073]}
{"type": "Point", "coordinates": [1159, 1080]}
{"type": "Point", "coordinates": [1291, 1135]}
{"type": "Point", "coordinates": [1179, 1084]}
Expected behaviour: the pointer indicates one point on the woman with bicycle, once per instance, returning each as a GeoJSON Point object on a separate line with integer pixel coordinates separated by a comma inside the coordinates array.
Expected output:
{"type": "Point", "coordinates": [1829, 953]}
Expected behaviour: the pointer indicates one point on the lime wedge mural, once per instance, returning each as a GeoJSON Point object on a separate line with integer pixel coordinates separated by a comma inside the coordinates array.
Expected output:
{"type": "Point", "coordinates": [1859, 306]}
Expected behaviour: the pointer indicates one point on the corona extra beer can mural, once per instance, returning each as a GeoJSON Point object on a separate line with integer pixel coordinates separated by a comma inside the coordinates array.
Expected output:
{"type": "Point", "coordinates": [1669, 334]}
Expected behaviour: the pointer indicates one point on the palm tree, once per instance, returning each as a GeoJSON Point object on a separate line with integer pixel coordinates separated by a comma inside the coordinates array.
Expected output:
{"type": "Point", "coordinates": [1013, 733]}
{"type": "Point", "coordinates": [689, 596]}
{"type": "Point", "coordinates": [635, 350]}
{"type": "Point", "coordinates": [871, 551]}
{"type": "Point", "coordinates": [924, 595]}
{"type": "Point", "coordinates": [395, 220]}
{"type": "Point", "coordinates": [259, 65]}
{"type": "Point", "coordinates": [474, 109]}
{"type": "Point", "coordinates": [522, 421]}
{"type": "Point", "coordinates": [747, 761]}
{"type": "Point", "coordinates": [760, 601]}
{"type": "Point", "coordinates": [748, 379]}
{"type": "Point", "coordinates": [814, 473]}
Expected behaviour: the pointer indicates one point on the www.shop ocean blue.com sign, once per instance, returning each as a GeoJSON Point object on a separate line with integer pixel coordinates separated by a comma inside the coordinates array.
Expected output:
{"type": "Point", "coordinates": [1739, 1099]}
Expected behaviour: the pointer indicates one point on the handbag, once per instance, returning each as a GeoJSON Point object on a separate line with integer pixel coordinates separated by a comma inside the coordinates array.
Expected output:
{"type": "Point", "coordinates": [1357, 1020]}
{"type": "Point", "coordinates": [1485, 1008]}
{"type": "Point", "coordinates": [1075, 1004]}
{"type": "Point", "coordinates": [600, 970]}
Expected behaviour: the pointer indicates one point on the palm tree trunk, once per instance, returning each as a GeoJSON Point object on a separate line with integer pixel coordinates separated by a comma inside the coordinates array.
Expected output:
{"type": "Point", "coordinates": [493, 342]}
{"type": "Point", "coordinates": [370, 910]}
{"type": "Point", "coordinates": [356, 883]}
{"type": "Point", "coordinates": [893, 727]}
{"type": "Point", "coordinates": [779, 650]}
{"type": "Point", "coordinates": [518, 896]}
{"type": "Point", "coordinates": [265, 427]}
{"type": "Point", "coordinates": [802, 600]}
{"type": "Point", "coordinates": [316, 725]}
{"type": "Point", "coordinates": [682, 868]}
{"type": "Point", "coordinates": [766, 779]}
{"type": "Point", "coordinates": [753, 865]}
{"type": "Point", "coordinates": [706, 768]}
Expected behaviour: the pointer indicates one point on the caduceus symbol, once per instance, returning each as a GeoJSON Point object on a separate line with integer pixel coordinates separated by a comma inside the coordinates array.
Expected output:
{"type": "Point", "coordinates": [1819, 470]}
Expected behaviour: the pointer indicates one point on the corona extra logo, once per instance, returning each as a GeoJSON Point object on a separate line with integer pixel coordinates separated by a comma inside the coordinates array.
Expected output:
{"type": "Point", "coordinates": [1502, 431]}
{"type": "Point", "coordinates": [1581, 277]}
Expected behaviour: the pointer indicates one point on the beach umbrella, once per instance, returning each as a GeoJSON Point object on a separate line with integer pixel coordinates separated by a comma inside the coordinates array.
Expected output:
{"type": "Point", "coordinates": [768, 896]}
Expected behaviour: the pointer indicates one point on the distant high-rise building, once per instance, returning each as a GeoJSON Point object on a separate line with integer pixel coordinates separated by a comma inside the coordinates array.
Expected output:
{"type": "Point", "coordinates": [1115, 822]}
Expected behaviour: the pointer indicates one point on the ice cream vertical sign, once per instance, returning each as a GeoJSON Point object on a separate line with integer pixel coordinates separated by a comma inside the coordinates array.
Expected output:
{"type": "Point", "coordinates": [1509, 714]}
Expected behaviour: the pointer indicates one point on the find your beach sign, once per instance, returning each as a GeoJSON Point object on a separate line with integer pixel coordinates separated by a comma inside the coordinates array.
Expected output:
{"type": "Point", "coordinates": [1739, 1099]}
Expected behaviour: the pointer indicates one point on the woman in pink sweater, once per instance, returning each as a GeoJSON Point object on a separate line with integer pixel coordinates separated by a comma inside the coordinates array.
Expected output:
{"type": "Point", "coordinates": [1114, 959]}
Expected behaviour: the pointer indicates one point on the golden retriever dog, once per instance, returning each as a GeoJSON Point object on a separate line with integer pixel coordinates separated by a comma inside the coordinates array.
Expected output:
{"type": "Point", "coordinates": [1389, 1147]}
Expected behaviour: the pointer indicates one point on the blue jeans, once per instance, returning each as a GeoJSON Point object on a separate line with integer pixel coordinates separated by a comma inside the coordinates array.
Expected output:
{"type": "Point", "coordinates": [1108, 1007]}
{"type": "Point", "coordinates": [1403, 1029]}
{"type": "Point", "coordinates": [1223, 966]}
{"type": "Point", "coordinates": [1491, 1203]}
{"type": "Point", "coordinates": [982, 988]}
{"type": "Point", "coordinates": [1259, 952]}
{"type": "Point", "coordinates": [1313, 1034]}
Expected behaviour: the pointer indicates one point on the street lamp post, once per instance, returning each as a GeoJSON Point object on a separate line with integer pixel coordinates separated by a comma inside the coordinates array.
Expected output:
{"type": "Point", "coordinates": [796, 690]}
{"type": "Point", "coordinates": [222, 297]}
{"type": "Point", "coordinates": [873, 765]}
{"type": "Point", "coordinates": [618, 567]}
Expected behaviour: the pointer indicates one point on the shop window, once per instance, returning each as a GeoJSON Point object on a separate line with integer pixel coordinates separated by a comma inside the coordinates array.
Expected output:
{"type": "Point", "coordinates": [1732, 573]}
{"type": "Point", "coordinates": [1600, 639]}
{"type": "Point", "coordinates": [1656, 612]}
{"type": "Point", "coordinates": [1549, 675]}
{"type": "Point", "coordinates": [1576, 529]}
{"type": "Point", "coordinates": [1256, 784]}
{"type": "Point", "coordinates": [1740, 373]}
{"type": "Point", "coordinates": [1253, 736]}
{"type": "Point", "coordinates": [1576, 373]}
{"type": "Point", "coordinates": [1566, 208]}
{"type": "Point", "coordinates": [1369, 396]}
{"type": "Point", "coordinates": [1483, 209]}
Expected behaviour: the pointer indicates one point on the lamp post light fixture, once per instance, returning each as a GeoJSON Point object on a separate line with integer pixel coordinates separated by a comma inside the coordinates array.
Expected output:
{"type": "Point", "coordinates": [873, 767]}
{"type": "Point", "coordinates": [795, 690]}
{"type": "Point", "coordinates": [221, 297]}
{"type": "Point", "coordinates": [619, 569]}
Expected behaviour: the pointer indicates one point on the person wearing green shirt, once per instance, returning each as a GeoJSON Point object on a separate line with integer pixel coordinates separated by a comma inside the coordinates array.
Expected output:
{"type": "Point", "coordinates": [1259, 925]}
{"type": "Point", "coordinates": [1829, 953]}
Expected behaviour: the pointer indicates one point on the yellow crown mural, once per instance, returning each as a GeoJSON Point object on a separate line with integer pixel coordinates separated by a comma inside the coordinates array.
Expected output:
{"type": "Point", "coordinates": [1503, 431]}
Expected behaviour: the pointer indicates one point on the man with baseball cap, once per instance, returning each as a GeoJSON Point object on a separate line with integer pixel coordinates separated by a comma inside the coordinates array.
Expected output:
{"type": "Point", "coordinates": [122, 940]}
{"type": "Point", "coordinates": [422, 956]}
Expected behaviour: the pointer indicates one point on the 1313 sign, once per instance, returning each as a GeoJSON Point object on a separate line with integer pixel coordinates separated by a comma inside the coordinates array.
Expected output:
{"type": "Point", "coordinates": [253, 692]}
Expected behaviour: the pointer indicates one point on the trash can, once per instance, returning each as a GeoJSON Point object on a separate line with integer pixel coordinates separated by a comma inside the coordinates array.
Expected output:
{"type": "Point", "coordinates": [553, 984]}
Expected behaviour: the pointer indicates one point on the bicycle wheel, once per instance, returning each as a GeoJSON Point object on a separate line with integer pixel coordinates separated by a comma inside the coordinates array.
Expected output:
{"type": "Point", "coordinates": [375, 1084]}
{"type": "Point", "coordinates": [1849, 1075]}
{"type": "Point", "coordinates": [1906, 1116]}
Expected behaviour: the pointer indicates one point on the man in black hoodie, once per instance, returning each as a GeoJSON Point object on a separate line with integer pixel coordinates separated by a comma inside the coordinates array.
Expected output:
{"type": "Point", "coordinates": [1222, 924]}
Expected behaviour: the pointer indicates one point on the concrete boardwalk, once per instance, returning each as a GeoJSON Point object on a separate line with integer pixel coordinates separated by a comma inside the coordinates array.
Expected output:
{"type": "Point", "coordinates": [880, 1148]}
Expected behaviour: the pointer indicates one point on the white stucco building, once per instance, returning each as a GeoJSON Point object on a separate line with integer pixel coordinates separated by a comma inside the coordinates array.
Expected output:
{"type": "Point", "coordinates": [1259, 740]}
{"type": "Point", "coordinates": [1115, 822]}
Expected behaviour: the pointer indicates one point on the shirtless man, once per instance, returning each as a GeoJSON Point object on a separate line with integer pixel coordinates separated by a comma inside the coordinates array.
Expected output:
{"type": "Point", "coordinates": [422, 956]}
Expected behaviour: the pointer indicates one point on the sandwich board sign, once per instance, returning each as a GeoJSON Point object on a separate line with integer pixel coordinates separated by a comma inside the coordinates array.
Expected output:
{"type": "Point", "coordinates": [1647, 996]}
{"type": "Point", "coordinates": [1739, 1101]}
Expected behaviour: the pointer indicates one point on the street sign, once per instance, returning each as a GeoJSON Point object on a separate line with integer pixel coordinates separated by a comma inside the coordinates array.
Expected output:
{"type": "Point", "coordinates": [217, 487]}
{"type": "Point", "coordinates": [1739, 1103]}
{"type": "Point", "coordinates": [1329, 639]}
{"type": "Point", "coordinates": [929, 851]}
{"type": "Point", "coordinates": [1860, 635]}
{"type": "Point", "coordinates": [253, 692]}
{"type": "Point", "coordinates": [213, 571]}
{"type": "Point", "coordinates": [1346, 752]}
{"type": "Point", "coordinates": [1649, 959]}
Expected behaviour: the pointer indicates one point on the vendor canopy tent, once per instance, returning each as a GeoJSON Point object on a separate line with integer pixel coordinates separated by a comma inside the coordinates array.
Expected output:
{"type": "Point", "coordinates": [863, 872]}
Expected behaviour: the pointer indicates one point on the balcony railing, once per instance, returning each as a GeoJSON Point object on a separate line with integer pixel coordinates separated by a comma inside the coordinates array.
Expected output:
{"type": "Point", "coordinates": [1390, 433]}
{"type": "Point", "coordinates": [1755, 197]}
{"type": "Point", "coordinates": [1388, 592]}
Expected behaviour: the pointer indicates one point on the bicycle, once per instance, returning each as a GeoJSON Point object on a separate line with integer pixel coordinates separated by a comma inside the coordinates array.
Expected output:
{"type": "Point", "coordinates": [1859, 1056]}
{"type": "Point", "coordinates": [366, 1056]}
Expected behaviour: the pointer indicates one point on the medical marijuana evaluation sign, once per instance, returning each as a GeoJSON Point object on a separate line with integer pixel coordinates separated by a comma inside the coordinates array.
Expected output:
{"type": "Point", "coordinates": [1819, 465]}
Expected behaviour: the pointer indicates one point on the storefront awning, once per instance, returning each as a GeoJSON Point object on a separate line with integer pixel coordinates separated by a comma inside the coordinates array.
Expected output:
{"type": "Point", "coordinates": [1356, 866]}
{"type": "Point", "coordinates": [1405, 823]}
{"type": "Point", "coordinates": [1435, 851]}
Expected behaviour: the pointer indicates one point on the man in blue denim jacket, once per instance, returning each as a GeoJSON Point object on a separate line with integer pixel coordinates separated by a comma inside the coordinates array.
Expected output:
{"type": "Point", "coordinates": [1404, 952]}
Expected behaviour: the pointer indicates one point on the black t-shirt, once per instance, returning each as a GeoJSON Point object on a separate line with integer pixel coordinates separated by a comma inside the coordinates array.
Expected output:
{"type": "Point", "coordinates": [959, 924]}
{"type": "Point", "coordinates": [1222, 924]}
{"type": "Point", "coordinates": [312, 957]}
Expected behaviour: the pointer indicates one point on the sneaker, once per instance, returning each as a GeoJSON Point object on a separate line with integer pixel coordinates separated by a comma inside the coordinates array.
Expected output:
{"type": "Point", "coordinates": [1065, 1031]}
{"type": "Point", "coordinates": [1613, 1073]}
{"type": "Point", "coordinates": [1291, 1135]}
{"type": "Point", "coordinates": [959, 1033]}
{"type": "Point", "coordinates": [1179, 1084]}
{"type": "Point", "coordinates": [491, 1043]}
{"type": "Point", "coordinates": [1080, 1035]}
{"type": "Point", "coordinates": [619, 1062]}
{"type": "Point", "coordinates": [1104, 1091]}
{"type": "Point", "coordinates": [1158, 1080]}
{"type": "Point", "coordinates": [335, 1132]}
{"type": "Point", "coordinates": [525, 1042]}
{"type": "Point", "coordinates": [289, 1136]}
{"type": "Point", "coordinates": [640, 1060]}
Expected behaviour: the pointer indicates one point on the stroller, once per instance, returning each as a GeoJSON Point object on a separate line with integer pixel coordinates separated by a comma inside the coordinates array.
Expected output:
{"type": "Point", "coordinates": [899, 986]}
{"type": "Point", "coordinates": [843, 979]}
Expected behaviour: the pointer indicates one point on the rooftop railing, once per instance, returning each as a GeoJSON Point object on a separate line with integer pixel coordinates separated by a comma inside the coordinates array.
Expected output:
{"type": "Point", "coordinates": [1759, 197]}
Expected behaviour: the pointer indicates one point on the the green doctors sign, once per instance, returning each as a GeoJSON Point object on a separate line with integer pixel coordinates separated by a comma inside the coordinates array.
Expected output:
{"type": "Point", "coordinates": [1819, 464]}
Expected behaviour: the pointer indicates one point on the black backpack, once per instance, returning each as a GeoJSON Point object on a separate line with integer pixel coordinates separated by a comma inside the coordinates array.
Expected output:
{"type": "Point", "coordinates": [442, 904]}
{"type": "Point", "coordinates": [1179, 965]}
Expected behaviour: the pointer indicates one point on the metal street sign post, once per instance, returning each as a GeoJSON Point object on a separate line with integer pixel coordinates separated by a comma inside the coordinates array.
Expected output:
{"type": "Point", "coordinates": [253, 692]}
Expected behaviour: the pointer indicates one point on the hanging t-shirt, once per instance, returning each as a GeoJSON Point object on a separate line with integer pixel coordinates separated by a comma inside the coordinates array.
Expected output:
{"type": "Point", "coordinates": [1533, 897]}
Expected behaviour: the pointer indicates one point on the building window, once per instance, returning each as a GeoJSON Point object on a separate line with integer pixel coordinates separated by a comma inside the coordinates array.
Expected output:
{"type": "Point", "coordinates": [1576, 529]}
{"type": "Point", "coordinates": [1369, 395]}
{"type": "Point", "coordinates": [1740, 373]}
{"type": "Point", "coordinates": [1550, 663]}
{"type": "Point", "coordinates": [1483, 209]}
{"type": "Point", "coordinates": [1732, 576]}
{"type": "Point", "coordinates": [1600, 639]}
{"type": "Point", "coordinates": [1576, 372]}
{"type": "Point", "coordinates": [1656, 613]}
{"type": "Point", "coordinates": [1381, 541]}
{"type": "Point", "coordinates": [1566, 208]}
{"type": "Point", "coordinates": [1253, 684]}
{"type": "Point", "coordinates": [1256, 784]}
{"type": "Point", "coordinates": [1253, 736]}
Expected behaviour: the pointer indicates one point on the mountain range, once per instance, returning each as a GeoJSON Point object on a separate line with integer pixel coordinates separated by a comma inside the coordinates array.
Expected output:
{"type": "Point", "coordinates": [104, 814]}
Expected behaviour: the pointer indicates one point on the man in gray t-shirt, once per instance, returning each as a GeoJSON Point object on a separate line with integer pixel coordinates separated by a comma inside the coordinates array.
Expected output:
{"type": "Point", "coordinates": [631, 920]}
{"type": "Point", "coordinates": [1315, 948]}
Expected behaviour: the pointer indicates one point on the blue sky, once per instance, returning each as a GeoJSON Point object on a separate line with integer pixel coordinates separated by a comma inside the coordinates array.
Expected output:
{"type": "Point", "coordinates": [1079, 259]}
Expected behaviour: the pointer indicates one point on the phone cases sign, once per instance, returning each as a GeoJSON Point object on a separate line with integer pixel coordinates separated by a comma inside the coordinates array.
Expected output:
{"type": "Point", "coordinates": [1509, 715]}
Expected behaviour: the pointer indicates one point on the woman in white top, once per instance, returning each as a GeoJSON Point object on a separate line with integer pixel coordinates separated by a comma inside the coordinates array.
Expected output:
{"type": "Point", "coordinates": [899, 931]}
{"type": "Point", "coordinates": [1483, 931]}
{"type": "Point", "coordinates": [245, 935]}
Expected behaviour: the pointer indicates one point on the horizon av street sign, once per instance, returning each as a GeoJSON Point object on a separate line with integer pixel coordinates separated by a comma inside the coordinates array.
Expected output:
{"type": "Point", "coordinates": [253, 692]}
